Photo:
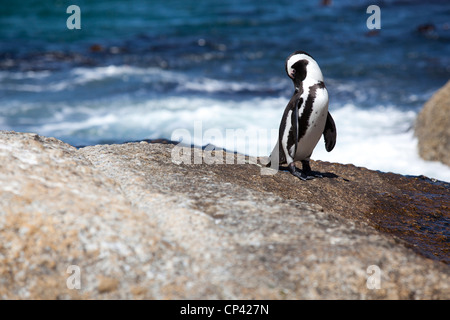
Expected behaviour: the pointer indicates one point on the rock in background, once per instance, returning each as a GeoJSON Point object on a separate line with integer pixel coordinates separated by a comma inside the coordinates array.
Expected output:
{"type": "Point", "coordinates": [139, 226]}
{"type": "Point", "coordinates": [433, 127]}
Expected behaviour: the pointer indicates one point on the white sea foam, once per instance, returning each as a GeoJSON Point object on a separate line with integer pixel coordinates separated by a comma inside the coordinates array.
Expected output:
{"type": "Point", "coordinates": [60, 81]}
{"type": "Point", "coordinates": [14, 75]}
{"type": "Point", "coordinates": [85, 75]}
{"type": "Point", "coordinates": [82, 76]}
{"type": "Point", "coordinates": [213, 85]}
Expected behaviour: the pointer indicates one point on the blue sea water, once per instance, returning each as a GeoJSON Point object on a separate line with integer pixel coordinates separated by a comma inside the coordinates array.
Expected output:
{"type": "Point", "coordinates": [143, 69]}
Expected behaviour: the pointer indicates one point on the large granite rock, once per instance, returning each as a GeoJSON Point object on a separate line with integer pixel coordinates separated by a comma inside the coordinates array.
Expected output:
{"type": "Point", "coordinates": [433, 127]}
{"type": "Point", "coordinates": [136, 225]}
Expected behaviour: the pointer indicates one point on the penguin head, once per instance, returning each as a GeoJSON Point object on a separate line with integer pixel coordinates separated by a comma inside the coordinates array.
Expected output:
{"type": "Point", "coordinates": [300, 66]}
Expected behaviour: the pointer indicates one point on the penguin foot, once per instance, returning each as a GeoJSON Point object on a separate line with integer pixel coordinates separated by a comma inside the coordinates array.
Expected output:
{"type": "Point", "coordinates": [308, 172]}
{"type": "Point", "coordinates": [299, 174]}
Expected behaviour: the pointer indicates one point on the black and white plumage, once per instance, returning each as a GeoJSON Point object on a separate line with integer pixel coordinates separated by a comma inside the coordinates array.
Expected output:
{"type": "Point", "coordinates": [305, 118]}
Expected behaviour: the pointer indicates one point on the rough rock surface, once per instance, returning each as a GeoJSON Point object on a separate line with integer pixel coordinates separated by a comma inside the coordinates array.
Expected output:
{"type": "Point", "coordinates": [433, 127]}
{"type": "Point", "coordinates": [139, 226]}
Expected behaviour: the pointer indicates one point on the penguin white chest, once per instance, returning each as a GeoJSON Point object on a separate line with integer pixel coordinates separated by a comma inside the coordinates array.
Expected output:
{"type": "Point", "coordinates": [314, 113]}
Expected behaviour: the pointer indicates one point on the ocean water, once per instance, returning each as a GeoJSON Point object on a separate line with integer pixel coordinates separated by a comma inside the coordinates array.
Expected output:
{"type": "Point", "coordinates": [145, 69]}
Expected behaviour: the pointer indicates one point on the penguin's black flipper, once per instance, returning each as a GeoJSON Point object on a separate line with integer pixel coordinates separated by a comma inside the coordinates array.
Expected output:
{"type": "Point", "coordinates": [329, 133]}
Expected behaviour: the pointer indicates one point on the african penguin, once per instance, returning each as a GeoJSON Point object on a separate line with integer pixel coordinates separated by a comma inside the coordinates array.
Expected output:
{"type": "Point", "coordinates": [305, 118]}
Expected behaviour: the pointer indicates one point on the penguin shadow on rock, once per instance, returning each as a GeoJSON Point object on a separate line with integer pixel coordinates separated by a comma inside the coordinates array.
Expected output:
{"type": "Point", "coordinates": [305, 119]}
{"type": "Point", "coordinates": [312, 174]}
